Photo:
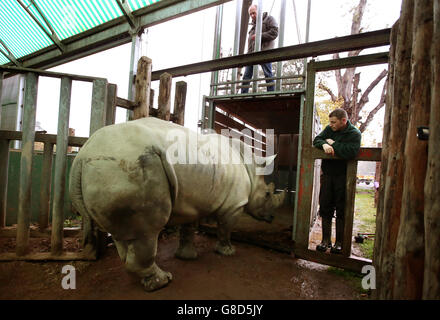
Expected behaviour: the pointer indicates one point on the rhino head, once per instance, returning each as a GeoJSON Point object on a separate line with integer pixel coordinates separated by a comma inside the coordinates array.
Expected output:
{"type": "Point", "coordinates": [263, 200]}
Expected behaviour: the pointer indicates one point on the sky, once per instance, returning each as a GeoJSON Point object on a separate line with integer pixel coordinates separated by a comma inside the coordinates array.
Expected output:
{"type": "Point", "coordinates": [189, 39]}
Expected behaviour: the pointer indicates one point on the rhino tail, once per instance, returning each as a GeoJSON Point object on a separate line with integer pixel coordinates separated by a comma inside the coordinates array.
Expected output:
{"type": "Point", "coordinates": [75, 189]}
{"type": "Point", "coordinates": [171, 175]}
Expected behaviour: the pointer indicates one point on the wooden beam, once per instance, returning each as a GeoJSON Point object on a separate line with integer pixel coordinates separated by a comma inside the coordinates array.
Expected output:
{"type": "Point", "coordinates": [110, 113]}
{"type": "Point", "coordinates": [4, 166]}
{"type": "Point", "coordinates": [179, 103]}
{"type": "Point", "coordinates": [310, 49]}
{"type": "Point", "coordinates": [42, 137]}
{"type": "Point", "coordinates": [46, 183]}
{"type": "Point", "coordinates": [142, 85]}
{"type": "Point", "coordinates": [365, 154]}
{"type": "Point", "coordinates": [60, 166]}
{"type": "Point", "coordinates": [350, 192]}
{"type": "Point", "coordinates": [350, 62]}
{"type": "Point", "coordinates": [99, 105]}
{"type": "Point", "coordinates": [24, 195]}
{"type": "Point", "coordinates": [164, 102]}
{"type": "Point", "coordinates": [46, 256]}
{"type": "Point", "coordinates": [124, 103]}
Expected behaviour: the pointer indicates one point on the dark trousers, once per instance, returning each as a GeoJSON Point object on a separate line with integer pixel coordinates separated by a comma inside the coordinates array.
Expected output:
{"type": "Point", "coordinates": [332, 196]}
{"type": "Point", "coordinates": [249, 71]}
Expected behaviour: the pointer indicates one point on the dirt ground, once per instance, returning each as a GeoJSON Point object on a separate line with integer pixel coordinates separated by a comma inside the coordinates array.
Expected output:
{"type": "Point", "coordinates": [252, 273]}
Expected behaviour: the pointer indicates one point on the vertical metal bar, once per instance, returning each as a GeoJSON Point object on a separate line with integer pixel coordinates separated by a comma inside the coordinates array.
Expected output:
{"type": "Point", "coordinates": [349, 207]}
{"type": "Point", "coordinates": [110, 113]}
{"type": "Point", "coordinates": [28, 139]}
{"type": "Point", "coordinates": [306, 170]}
{"type": "Point", "coordinates": [134, 58]}
{"type": "Point", "coordinates": [309, 6]}
{"type": "Point", "coordinates": [99, 105]}
{"type": "Point", "coordinates": [257, 42]}
{"type": "Point", "coordinates": [46, 182]}
{"type": "Point", "coordinates": [1, 90]}
{"type": "Point", "coordinates": [217, 47]}
{"type": "Point", "coordinates": [211, 118]}
{"type": "Point", "coordinates": [281, 42]}
{"type": "Point", "coordinates": [298, 32]}
{"type": "Point", "coordinates": [239, 5]}
{"type": "Point", "coordinates": [60, 167]}
{"type": "Point", "coordinates": [298, 167]}
{"type": "Point", "coordinates": [4, 165]}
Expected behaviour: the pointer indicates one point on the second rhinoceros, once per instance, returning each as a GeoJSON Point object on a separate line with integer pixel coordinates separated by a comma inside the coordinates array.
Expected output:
{"type": "Point", "coordinates": [124, 181]}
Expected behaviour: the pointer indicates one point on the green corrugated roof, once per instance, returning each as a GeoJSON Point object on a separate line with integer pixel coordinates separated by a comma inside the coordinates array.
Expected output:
{"type": "Point", "coordinates": [22, 35]}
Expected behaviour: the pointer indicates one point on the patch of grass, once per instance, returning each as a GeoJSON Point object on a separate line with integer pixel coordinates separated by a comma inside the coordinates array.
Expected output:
{"type": "Point", "coordinates": [365, 214]}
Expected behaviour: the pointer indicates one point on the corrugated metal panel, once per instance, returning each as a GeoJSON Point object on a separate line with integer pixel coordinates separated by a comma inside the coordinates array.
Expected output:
{"type": "Point", "coordinates": [68, 18]}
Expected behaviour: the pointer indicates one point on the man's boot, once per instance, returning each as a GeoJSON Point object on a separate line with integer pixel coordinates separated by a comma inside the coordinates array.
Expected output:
{"type": "Point", "coordinates": [326, 235]}
{"type": "Point", "coordinates": [337, 248]}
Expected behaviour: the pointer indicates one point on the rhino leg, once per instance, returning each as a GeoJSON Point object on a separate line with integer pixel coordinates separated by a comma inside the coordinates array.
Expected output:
{"type": "Point", "coordinates": [224, 227]}
{"type": "Point", "coordinates": [186, 250]}
{"type": "Point", "coordinates": [140, 259]}
{"type": "Point", "coordinates": [122, 248]}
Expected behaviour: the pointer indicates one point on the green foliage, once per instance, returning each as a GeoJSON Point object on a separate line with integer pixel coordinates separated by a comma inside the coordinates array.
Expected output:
{"type": "Point", "coordinates": [365, 213]}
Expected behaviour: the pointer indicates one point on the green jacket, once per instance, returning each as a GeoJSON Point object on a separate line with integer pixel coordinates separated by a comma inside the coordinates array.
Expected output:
{"type": "Point", "coordinates": [346, 146]}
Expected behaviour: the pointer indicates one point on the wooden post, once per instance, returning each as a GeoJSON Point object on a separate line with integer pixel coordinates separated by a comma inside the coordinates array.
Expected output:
{"type": "Point", "coordinates": [410, 248]}
{"type": "Point", "coordinates": [431, 286]}
{"type": "Point", "coordinates": [99, 105]}
{"type": "Point", "coordinates": [179, 102]}
{"type": "Point", "coordinates": [164, 102]}
{"type": "Point", "coordinates": [393, 159]}
{"type": "Point", "coordinates": [349, 207]}
{"type": "Point", "coordinates": [151, 101]}
{"type": "Point", "coordinates": [4, 165]}
{"type": "Point", "coordinates": [24, 193]}
{"type": "Point", "coordinates": [110, 112]}
{"type": "Point", "coordinates": [143, 85]}
{"type": "Point", "coordinates": [305, 188]}
{"type": "Point", "coordinates": [46, 182]}
{"type": "Point", "coordinates": [60, 167]}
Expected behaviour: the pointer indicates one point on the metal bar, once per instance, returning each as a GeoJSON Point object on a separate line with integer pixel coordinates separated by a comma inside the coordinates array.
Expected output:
{"type": "Point", "coordinates": [298, 167]}
{"type": "Point", "coordinates": [115, 32]}
{"type": "Point", "coordinates": [239, 5]}
{"type": "Point", "coordinates": [272, 93]}
{"type": "Point", "coordinates": [9, 54]}
{"type": "Point", "coordinates": [349, 207]}
{"type": "Point", "coordinates": [341, 44]}
{"type": "Point", "coordinates": [281, 41]}
{"type": "Point", "coordinates": [298, 31]}
{"type": "Point", "coordinates": [257, 42]}
{"type": "Point", "coordinates": [46, 182]}
{"type": "Point", "coordinates": [134, 58]}
{"type": "Point", "coordinates": [52, 35]}
{"type": "Point", "coordinates": [24, 193]}
{"type": "Point", "coordinates": [60, 167]}
{"type": "Point", "coordinates": [132, 21]}
{"type": "Point", "coordinates": [44, 73]}
{"type": "Point", "coordinates": [4, 165]}
{"type": "Point", "coordinates": [110, 112]}
{"type": "Point", "coordinates": [309, 6]}
{"type": "Point", "coordinates": [42, 137]}
{"type": "Point", "coordinates": [250, 80]}
{"type": "Point", "coordinates": [99, 105]}
{"type": "Point", "coordinates": [217, 45]}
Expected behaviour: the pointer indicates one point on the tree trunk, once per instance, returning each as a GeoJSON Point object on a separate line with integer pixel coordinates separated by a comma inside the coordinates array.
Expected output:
{"type": "Point", "coordinates": [410, 251]}
{"type": "Point", "coordinates": [431, 286]}
{"type": "Point", "coordinates": [393, 181]}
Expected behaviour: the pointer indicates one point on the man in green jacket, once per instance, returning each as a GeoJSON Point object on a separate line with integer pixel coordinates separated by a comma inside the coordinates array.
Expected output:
{"type": "Point", "coordinates": [340, 138]}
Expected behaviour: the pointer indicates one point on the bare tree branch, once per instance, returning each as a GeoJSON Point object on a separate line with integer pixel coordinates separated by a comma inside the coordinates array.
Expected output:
{"type": "Point", "coordinates": [328, 90]}
{"type": "Point", "coordinates": [373, 112]}
{"type": "Point", "coordinates": [364, 98]}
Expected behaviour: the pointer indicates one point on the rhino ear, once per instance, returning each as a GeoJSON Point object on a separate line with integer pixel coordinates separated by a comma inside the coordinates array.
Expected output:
{"type": "Point", "coordinates": [270, 159]}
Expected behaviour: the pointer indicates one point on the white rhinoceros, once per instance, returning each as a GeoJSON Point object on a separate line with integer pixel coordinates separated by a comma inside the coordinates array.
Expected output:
{"type": "Point", "coordinates": [123, 180]}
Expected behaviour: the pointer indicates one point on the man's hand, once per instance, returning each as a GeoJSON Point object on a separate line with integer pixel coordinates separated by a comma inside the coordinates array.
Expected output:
{"type": "Point", "coordinates": [328, 149]}
{"type": "Point", "coordinates": [330, 141]}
